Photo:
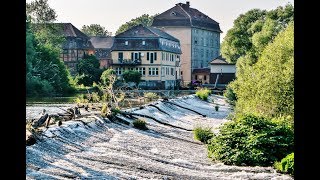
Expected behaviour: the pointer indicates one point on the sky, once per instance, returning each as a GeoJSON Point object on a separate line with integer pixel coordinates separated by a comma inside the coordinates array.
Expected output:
{"type": "Point", "coordinates": [111, 14]}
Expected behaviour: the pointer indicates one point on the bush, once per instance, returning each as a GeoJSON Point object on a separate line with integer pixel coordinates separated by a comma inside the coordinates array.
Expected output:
{"type": "Point", "coordinates": [216, 108]}
{"type": "Point", "coordinates": [150, 96]}
{"type": "Point", "coordinates": [251, 140]}
{"type": "Point", "coordinates": [140, 124]}
{"type": "Point", "coordinates": [230, 95]}
{"type": "Point", "coordinates": [202, 134]}
{"type": "Point", "coordinates": [203, 93]}
{"type": "Point", "coordinates": [286, 165]}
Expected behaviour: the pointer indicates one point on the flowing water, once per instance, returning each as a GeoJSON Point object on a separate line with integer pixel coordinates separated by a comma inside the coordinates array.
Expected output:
{"type": "Point", "coordinates": [99, 149]}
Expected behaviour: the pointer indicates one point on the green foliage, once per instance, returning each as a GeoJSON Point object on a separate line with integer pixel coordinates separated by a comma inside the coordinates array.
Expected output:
{"type": "Point", "coordinates": [39, 11]}
{"type": "Point", "coordinates": [46, 75]}
{"type": "Point", "coordinates": [251, 140]}
{"type": "Point", "coordinates": [202, 134]}
{"type": "Point", "coordinates": [144, 19]}
{"type": "Point", "coordinates": [95, 30]}
{"type": "Point", "coordinates": [132, 76]}
{"type": "Point", "coordinates": [106, 75]}
{"type": "Point", "coordinates": [150, 96]}
{"type": "Point", "coordinates": [216, 108]}
{"type": "Point", "coordinates": [140, 124]}
{"type": "Point", "coordinates": [286, 165]}
{"type": "Point", "coordinates": [230, 95]}
{"type": "Point", "coordinates": [253, 30]}
{"type": "Point", "coordinates": [89, 70]}
{"type": "Point", "coordinates": [203, 93]}
{"type": "Point", "coordinates": [267, 87]}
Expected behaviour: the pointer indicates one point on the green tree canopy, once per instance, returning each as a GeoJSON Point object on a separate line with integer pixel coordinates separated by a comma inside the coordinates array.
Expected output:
{"type": "Point", "coordinates": [132, 76]}
{"type": "Point", "coordinates": [95, 30]}
{"type": "Point", "coordinates": [88, 70]}
{"type": "Point", "coordinates": [267, 87]}
{"type": "Point", "coordinates": [253, 30]}
{"type": "Point", "coordinates": [40, 12]}
{"type": "Point", "coordinates": [144, 19]}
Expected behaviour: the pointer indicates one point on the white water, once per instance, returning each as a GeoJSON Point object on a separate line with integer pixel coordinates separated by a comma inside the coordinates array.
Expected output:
{"type": "Point", "coordinates": [101, 150]}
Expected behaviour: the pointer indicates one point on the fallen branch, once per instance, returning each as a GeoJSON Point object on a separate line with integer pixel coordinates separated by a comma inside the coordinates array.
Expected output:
{"type": "Point", "coordinates": [185, 108]}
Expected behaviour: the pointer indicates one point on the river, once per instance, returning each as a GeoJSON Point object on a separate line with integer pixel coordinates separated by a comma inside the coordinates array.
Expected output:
{"type": "Point", "coordinates": [103, 150]}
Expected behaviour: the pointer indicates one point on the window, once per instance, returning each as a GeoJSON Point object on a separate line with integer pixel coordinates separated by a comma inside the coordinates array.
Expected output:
{"type": "Point", "coordinates": [162, 71]}
{"type": "Point", "coordinates": [207, 53]}
{"type": "Point", "coordinates": [143, 42]}
{"type": "Point", "coordinates": [120, 55]}
{"type": "Point", "coordinates": [172, 13]}
{"type": "Point", "coordinates": [162, 55]}
{"type": "Point", "coordinates": [211, 42]}
{"type": "Point", "coordinates": [195, 40]}
{"type": "Point", "coordinates": [205, 77]}
{"type": "Point", "coordinates": [212, 54]}
{"type": "Point", "coordinates": [202, 53]}
{"type": "Point", "coordinates": [126, 43]}
{"type": "Point", "coordinates": [131, 69]}
{"type": "Point", "coordinates": [151, 56]}
{"type": "Point", "coordinates": [153, 71]}
{"type": "Point", "coordinates": [172, 70]}
{"type": "Point", "coordinates": [196, 77]}
{"type": "Point", "coordinates": [119, 71]}
{"type": "Point", "coordinates": [141, 70]}
{"type": "Point", "coordinates": [181, 73]}
{"type": "Point", "coordinates": [167, 71]}
{"type": "Point", "coordinates": [207, 42]}
{"type": "Point", "coordinates": [201, 43]}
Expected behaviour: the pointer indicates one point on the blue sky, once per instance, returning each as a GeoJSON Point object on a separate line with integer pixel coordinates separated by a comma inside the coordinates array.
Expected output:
{"type": "Point", "coordinates": [113, 13]}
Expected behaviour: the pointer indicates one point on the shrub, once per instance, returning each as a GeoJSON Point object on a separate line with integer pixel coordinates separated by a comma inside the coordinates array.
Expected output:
{"type": "Point", "coordinates": [230, 95]}
{"type": "Point", "coordinates": [150, 96]}
{"type": "Point", "coordinates": [251, 140]}
{"type": "Point", "coordinates": [203, 93]}
{"type": "Point", "coordinates": [140, 124]}
{"type": "Point", "coordinates": [216, 108]}
{"type": "Point", "coordinates": [202, 134]}
{"type": "Point", "coordinates": [286, 165]}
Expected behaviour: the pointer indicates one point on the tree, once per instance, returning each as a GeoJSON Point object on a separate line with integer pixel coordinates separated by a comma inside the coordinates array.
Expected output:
{"type": "Point", "coordinates": [105, 76]}
{"type": "Point", "coordinates": [144, 19]}
{"type": "Point", "coordinates": [132, 76]}
{"type": "Point", "coordinates": [40, 12]}
{"type": "Point", "coordinates": [267, 87]}
{"type": "Point", "coordinates": [253, 30]}
{"type": "Point", "coordinates": [95, 30]}
{"type": "Point", "coordinates": [46, 73]}
{"type": "Point", "coordinates": [88, 70]}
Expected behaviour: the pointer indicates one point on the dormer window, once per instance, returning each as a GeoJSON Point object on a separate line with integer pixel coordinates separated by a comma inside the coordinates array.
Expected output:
{"type": "Point", "coordinates": [172, 13]}
{"type": "Point", "coordinates": [143, 42]}
{"type": "Point", "coordinates": [126, 43]}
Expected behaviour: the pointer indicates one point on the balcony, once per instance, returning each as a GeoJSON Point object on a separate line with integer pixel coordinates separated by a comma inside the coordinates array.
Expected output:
{"type": "Point", "coordinates": [128, 62]}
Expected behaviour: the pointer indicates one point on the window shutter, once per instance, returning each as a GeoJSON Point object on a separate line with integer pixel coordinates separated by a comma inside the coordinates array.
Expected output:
{"type": "Point", "coordinates": [132, 56]}
{"type": "Point", "coordinates": [139, 56]}
{"type": "Point", "coordinates": [147, 55]}
{"type": "Point", "coordinates": [155, 55]}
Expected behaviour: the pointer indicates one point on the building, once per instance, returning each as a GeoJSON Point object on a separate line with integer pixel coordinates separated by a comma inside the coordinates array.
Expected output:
{"type": "Point", "coordinates": [199, 36]}
{"type": "Point", "coordinates": [102, 49]}
{"type": "Point", "coordinates": [152, 52]}
{"type": "Point", "coordinates": [201, 75]}
{"type": "Point", "coordinates": [221, 72]}
{"type": "Point", "coordinates": [77, 44]}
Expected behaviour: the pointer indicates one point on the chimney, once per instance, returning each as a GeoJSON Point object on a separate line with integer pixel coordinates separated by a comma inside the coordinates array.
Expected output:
{"type": "Point", "coordinates": [188, 3]}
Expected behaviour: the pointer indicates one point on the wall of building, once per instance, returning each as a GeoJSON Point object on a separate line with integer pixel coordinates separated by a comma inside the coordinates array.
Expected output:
{"type": "Point", "coordinates": [224, 78]}
{"type": "Point", "coordinates": [184, 35]}
{"type": "Point", "coordinates": [205, 47]}
{"type": "Point", "coordinates": [223, 69]}
{"type": "Point", "coordinates": [202, 77]}
{"type": "Point", "coordinates": [166, 63]}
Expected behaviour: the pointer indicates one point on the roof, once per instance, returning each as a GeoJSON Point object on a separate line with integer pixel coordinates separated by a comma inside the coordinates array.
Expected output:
{"type": "Point", "coordinates": [102, 42]}
{"type": "Point", "coordinates": [70, 30]}
{"type": "Point", "coordinates": [141, 31]}
{"type": "Point", "coordinates": [182, 15]}
{"type": "Point", "coordinates": [103, 53]}
{"type": "Point", "coordinates": [154, 39]}
{"type": "Point", "coordinates": [220, 60]}
{"type": "Point", "coordinates": [202, 70]}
